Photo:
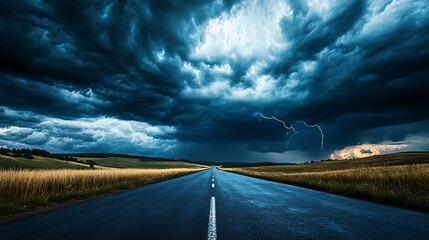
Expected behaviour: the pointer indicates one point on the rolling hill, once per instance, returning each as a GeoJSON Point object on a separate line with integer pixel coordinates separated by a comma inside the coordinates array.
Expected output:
{"type": "Point", "coordinates": [126, 162]}
{"type": "Point", "coordinates": [38, 162]}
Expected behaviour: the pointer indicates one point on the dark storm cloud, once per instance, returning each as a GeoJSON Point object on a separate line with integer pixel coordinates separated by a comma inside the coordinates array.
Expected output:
{"type": "Point", "coordinates": [198, 71]}
{"type": "Point", "coordinates": [378, 79]}
{"type": "Point", "coordinates": [48, 99]}
{"type": "Point", "coordinates": [310, 34]}
{"type": "Point", "coordinates": [108, 46]}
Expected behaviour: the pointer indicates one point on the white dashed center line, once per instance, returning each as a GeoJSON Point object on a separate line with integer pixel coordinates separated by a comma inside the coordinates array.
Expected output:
{"type": "Point", "coordinates": [212, 221]}
{"type": "Point", "coordinates": [212, 184]}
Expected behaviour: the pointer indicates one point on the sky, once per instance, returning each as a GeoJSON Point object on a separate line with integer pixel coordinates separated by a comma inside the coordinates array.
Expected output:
{"type": "Point", "coordinates": [192, 79]}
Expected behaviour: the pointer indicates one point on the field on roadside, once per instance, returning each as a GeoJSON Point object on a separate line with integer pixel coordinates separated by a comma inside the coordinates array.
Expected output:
{"type": "Point", "coordinates": [400, 179]}
{"type": "Point", "coordinates": [27, 190]}
{"type": "Point", "coordinates": [29, 184]}
{"type": "Point", "coordinates": [118, 162]}
{"type": "Point", "coordinates": [38, 162]}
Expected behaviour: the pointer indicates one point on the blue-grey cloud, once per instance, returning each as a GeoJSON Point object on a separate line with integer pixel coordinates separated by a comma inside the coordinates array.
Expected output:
{"type": "Point", "coordinates": [203, 68]}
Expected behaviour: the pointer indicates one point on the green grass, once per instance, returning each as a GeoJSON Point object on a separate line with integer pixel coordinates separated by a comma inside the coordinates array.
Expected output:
{"type": "Point", "coordinates": [38, 162]}
{"type": "Point", "coordinates": [400, 179]}
{"type": "Point", "coordinates": [114, 162]}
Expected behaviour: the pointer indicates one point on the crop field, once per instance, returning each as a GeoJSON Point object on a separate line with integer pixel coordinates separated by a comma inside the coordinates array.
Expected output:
{"type": "Point", "coordinates": [29, 184]}
{"type": "Point", "coordinates": [398, 179]}
{"type": "Point", "coordinates": [118, 162]}
{"type": "Point", "coordinates": [26, 190]}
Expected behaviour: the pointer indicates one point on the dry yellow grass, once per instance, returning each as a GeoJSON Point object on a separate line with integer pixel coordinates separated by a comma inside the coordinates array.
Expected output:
{"type": "Point", "coordinates": [406, 186]}
{"type": "Point", "coordinates": [25, 190]}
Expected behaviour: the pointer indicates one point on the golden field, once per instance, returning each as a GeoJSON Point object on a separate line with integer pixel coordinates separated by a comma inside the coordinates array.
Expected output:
{"type": "Point", "coordinates": [25, 190]}
{"type": "Point", "coordinates": [404, 185]}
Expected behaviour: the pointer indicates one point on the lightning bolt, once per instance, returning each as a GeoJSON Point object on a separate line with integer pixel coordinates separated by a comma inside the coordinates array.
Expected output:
{"type": "Point", "coordinates": [320, 130]}
{"type": "Point", "coordinates": [280, 121]}
{"type": "Point", "coordinates": [293, 129]}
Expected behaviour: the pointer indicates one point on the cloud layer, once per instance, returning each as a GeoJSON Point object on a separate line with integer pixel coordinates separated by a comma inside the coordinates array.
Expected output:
{"type": "Point", "coordinates": [183, 79]}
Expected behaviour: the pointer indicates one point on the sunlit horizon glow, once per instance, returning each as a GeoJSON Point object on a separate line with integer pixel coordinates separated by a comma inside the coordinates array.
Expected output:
{"type": "Point", "coordinates": [367, 150]}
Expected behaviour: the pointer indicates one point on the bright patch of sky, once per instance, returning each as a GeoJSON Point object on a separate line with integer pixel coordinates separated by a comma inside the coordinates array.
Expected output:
{"type": "Point", "coordinates": [89, 133]}
{"type": "Point", "coordinates": [249, 31]}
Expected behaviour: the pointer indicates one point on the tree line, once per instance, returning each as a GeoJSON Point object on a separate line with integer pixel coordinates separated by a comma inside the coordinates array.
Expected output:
{"type": "Point", "coordinates": [28, 153]}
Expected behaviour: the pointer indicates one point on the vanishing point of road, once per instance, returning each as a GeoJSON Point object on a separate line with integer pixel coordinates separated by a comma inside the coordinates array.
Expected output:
{"type": "Point", "coordinates": [214, 204]}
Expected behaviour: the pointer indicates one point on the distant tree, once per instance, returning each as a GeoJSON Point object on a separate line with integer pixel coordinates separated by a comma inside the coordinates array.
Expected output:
{"type": "Point", "coordinates": [64, 157]}
{"type": "Point", "coordinates": [26, 151]}
{"type": "Point", "coordinates": [40, 152]}
{"type": "Point", "coordinates": [4, 151]}
{"type": "Point", "coordinates": [90, 162]}
{"type": "Point", "coordinates": [27, 155]}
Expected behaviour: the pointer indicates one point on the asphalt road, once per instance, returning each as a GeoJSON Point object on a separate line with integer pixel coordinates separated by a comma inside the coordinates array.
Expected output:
{"type": "Point", "coordinates": [231, 206]}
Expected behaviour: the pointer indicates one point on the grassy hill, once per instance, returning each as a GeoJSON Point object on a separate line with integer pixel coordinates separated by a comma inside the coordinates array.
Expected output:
{"type": "Point", "coordinates": [38, 162]}
{"type": "Point", "coordinates": [41, 159]}
{"type": "Point", "coordinates": [122, 162]}
{"type": "Point", "coordinates": [400, 179]}
{"type": "Point", "coordinates": [394, 159]}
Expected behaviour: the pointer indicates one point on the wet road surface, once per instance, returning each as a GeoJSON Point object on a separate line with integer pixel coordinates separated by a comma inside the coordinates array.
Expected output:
{"type": "Point", "coordinates": [215, 204]}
